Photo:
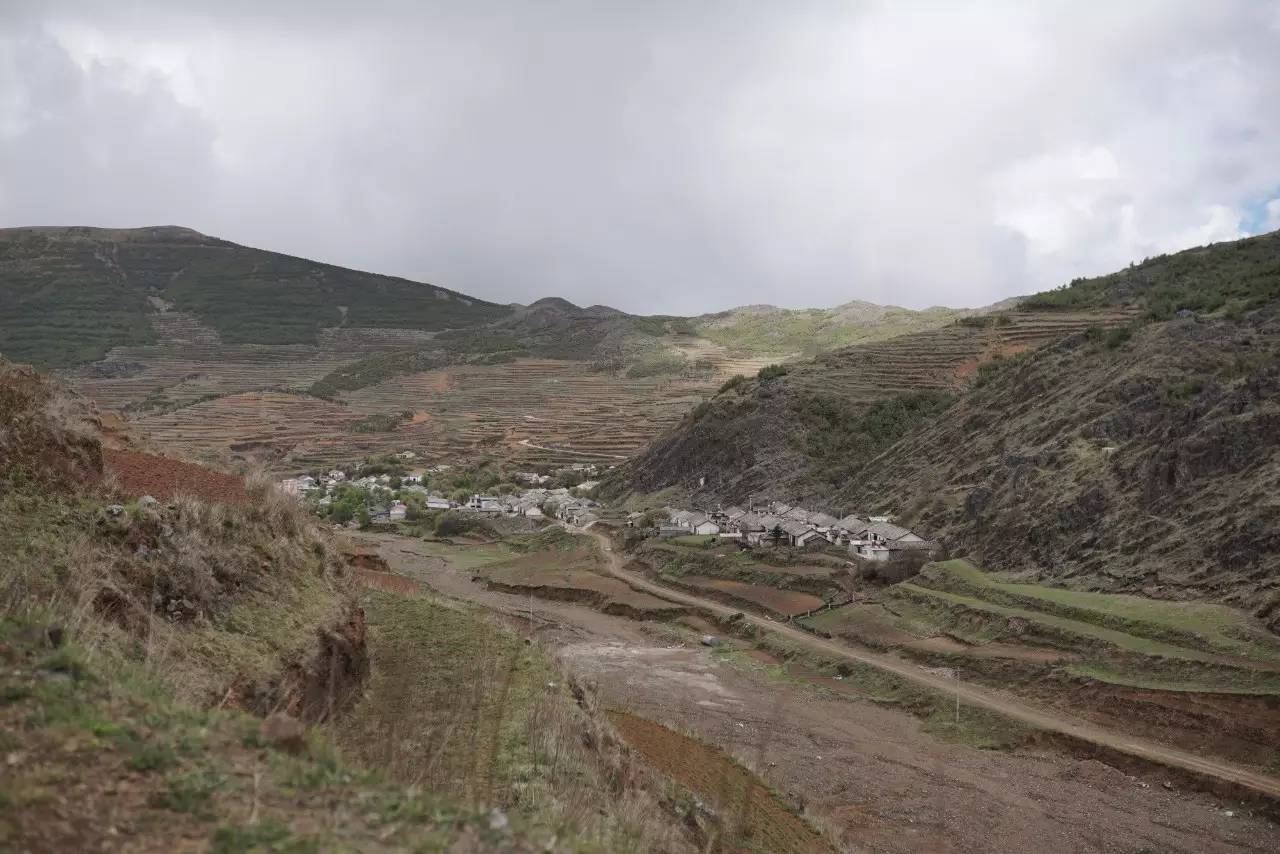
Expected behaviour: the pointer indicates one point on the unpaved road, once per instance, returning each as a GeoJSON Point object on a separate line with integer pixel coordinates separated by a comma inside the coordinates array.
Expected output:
{"type": "Point", "coordinates": [868, 772]}
{"type": "Point", "coordinates": [974, 695]}
{"type": "Point", "coordinates": [570, 451]}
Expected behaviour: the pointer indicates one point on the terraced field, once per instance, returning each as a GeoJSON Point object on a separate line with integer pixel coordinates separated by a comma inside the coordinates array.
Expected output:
{"type": "Point", "coordinates": [204, 398]}
{"type": "Point", "coordinates": [956, 609]}
{"type": "Point", "coordinates": [190, 362]}
{"type": "Point", "coordinates": [942, 358]}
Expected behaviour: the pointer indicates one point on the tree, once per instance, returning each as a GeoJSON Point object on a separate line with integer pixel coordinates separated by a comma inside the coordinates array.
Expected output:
{"type": "Point", "coordinates": [777, 534]}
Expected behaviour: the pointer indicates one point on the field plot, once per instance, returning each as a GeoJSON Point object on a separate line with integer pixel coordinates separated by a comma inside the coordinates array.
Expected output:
{"type": "Point", "coordinates": [568, 576]}
{"type": "Point", "coordinates": [941, 359]}
{"type": "Point", "coordinates": [606, 594]}
{"type": "Point", "coordinates": [956, 610]}
{"type": "Point", "coordinates": [786, 602]}
{"type": "Point", "coordinates": [139, 474]}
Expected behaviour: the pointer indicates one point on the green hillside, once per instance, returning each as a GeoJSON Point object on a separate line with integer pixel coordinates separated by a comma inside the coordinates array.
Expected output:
{"type": "Point", "coordinates": [771, 331]}
{"type": "Point", "coordinates": [68, 295]}
{"type": "Point", "coordinates": [1235, 276]}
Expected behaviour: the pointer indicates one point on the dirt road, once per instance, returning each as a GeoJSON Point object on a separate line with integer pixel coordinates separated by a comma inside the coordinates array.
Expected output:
{"type": "Point", "coordinates": [974, 695]}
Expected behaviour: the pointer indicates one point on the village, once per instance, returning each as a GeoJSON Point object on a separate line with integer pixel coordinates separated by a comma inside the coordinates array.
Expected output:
{"type": "Point", "coordinates": [354, 498]}
{"type": "Point", "coordinates": [393, 490]}
{"type": "Point", "coordinates": [868, 537]}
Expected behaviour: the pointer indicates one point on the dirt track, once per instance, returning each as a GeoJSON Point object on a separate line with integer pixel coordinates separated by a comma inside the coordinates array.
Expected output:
{"type": "Point", "coordinates": [973, 695]}
{"type": "Point", "coordinates": [869, 773]}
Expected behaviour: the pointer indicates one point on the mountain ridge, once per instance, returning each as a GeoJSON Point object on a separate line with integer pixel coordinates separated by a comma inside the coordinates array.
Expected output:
{"type": "Point", "coordinates": [70, 294]}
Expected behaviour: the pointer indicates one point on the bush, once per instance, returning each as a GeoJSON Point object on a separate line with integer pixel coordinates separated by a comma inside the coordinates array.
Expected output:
{"type": "Point", "coordinates": [732, 383]}
{"type": "Point", "coordinates": [451, 523]}
{"type": "Point", "coordinates": [769, 372]}
{"type": "Point", "coordinates": [1118, 337]}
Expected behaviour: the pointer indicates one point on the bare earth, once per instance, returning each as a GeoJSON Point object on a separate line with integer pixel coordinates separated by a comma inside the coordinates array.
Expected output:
{"type": "Point", "coordinates": [867, 773]}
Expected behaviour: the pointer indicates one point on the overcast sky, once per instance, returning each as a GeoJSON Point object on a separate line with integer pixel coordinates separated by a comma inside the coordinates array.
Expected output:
{"type": "Point", "coordinates": [662, 157]}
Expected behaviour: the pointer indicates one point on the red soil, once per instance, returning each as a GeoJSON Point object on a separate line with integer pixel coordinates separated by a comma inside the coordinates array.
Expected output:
{"type": "Point", "coordinates": [756, 819]}
{"type": "Point", "coordinates": [786, 602]}
{"type": "Point", "coordinates": [146, 474]}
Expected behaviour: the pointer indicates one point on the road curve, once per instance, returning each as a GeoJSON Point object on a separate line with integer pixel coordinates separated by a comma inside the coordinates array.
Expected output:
{"type": "Point", "coordinates": [974, 695]}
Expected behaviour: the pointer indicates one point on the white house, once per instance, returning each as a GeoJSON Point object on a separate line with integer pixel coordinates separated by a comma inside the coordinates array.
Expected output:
{"type": "Point", "coordinates": [706, 528]}
{"type": "Point", "coordinates": [397, 511]}
{"type": "Point", "coordinates": [436, 502]}
{"type": "Point", "coordinates": [887, 532]}
{"type": "Point", "coordinates": [485, 503]}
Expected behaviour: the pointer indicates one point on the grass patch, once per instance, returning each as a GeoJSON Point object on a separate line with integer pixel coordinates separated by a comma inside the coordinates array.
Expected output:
{"type": "Point", "coordinates": [466, 709]}
{"type": "Point", "coordinates": [976, 728]}
{"type": "Point", "coordinates": [698, 541]}
{"type": "Point", "coordinates": [267, 834]}
{"type": "Point", "coordinates": [1204, 626]}
{"type": "Point", "coordinates": [190, 792]}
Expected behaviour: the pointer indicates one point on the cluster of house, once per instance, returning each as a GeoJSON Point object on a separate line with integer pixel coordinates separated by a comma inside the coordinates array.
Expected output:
{"type": "Point", "coordinates": [390, 505]}
{"type": "Point", "coordinates": [576, 511]}
{"type": "Point", "coordinates": [867, 537]}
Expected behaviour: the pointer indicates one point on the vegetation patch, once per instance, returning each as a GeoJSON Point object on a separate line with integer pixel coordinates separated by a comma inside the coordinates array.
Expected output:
{"type": "Point", "coordinates": [1242, 275]}
{"type": "Point", "coordinates": [1198, 625]}
{"type": "Point", "coordinates": [839, 433]}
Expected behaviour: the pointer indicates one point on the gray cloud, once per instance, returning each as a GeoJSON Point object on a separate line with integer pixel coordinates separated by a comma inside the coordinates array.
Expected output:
{"type": "Point", "coordinates": [661, 157]}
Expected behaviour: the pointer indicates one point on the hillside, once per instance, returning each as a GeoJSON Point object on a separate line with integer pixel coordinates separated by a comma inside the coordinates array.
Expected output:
{"type": "Point", "coordinates": [1150, 465]}
{"type": "Point", "coordinates": [1082, 438]}
{"type": "Point", "coordinates": [804, 430]}
{"type": "Point", "coordinates": [68, 295]}
{"type": "Point", "coordinates": [1234, 277]}
{"type": "Point", "coordinates": [178, 675]}
{"type": "Point", "coordinates": [767, 330]}
{"type": "Point", "coordinates": [799, 430]}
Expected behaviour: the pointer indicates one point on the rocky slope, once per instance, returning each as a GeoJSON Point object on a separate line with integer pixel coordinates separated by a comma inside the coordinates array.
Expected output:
{"type": "Point", "coordinates": [799, 431]}
{"type": "Point", "coordinates": [1150, 465]}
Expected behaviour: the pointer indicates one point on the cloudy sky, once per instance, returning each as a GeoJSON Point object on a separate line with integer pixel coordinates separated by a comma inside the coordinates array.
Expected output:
{"type": "Point", "coordinates": [657, 156]}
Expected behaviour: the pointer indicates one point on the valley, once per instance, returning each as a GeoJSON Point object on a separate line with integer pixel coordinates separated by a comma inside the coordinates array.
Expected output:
{"type": "Point", "coordinates": [997, 579]}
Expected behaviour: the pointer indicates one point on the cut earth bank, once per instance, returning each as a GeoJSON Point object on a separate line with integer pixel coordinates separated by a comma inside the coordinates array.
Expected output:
{"type": "Point", "coordinates": [872, 775]}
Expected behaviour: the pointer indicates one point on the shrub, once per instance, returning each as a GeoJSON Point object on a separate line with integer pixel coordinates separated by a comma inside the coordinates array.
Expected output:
{"type": "Point", "coordinates": [1118, 337]}
{"type": "Point", "coordinates": [769, 372]}
{"type": "Point", "coordinates": [732, 383]}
